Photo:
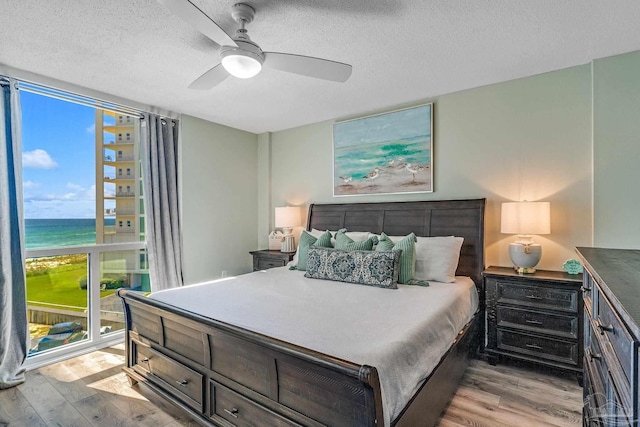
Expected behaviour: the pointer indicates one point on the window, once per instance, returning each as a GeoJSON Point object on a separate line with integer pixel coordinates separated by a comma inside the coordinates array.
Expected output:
{"type": "Point", "coordinates": [70, 220]}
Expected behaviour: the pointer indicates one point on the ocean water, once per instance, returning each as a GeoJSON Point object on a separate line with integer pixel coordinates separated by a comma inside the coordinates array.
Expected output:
{"type": "Point", "coordinates": [356, 161]}
{"type": "Point", "coordinates": [46, 233]}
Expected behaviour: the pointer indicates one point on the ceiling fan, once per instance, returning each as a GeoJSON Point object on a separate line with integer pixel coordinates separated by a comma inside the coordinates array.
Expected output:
{"type": "Point", "coordinates": [241, 57]}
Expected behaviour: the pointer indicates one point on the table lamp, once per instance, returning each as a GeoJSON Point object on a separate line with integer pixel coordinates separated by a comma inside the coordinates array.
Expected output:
{"type": "Point", "coordinates": [287, 218]}
{"type": "Point", "coordinates": [525, 219]}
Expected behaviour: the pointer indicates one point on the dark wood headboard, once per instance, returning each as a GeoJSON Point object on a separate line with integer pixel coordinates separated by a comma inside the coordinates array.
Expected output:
{"type": "Point", "coordinates": [462, 218]}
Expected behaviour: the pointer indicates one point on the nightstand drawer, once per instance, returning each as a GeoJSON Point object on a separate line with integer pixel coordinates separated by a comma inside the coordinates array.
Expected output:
{"type": "Point", "coordinates": [265, 263]}
{"type": "Point", "coordinates": [542, 297]}
{"type": "Point", "coordinates": [610, 328]}
{"type": "Point", "coordinates": [537, 321]}
{"type": "Point", "coordinates": [266, 259]}
{"type": "Point", "coordinates": [539, 347]}
{"type": "Point", "coordinates": [241, 412]}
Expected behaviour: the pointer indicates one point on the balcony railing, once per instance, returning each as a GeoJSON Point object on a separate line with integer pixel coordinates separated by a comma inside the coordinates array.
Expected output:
{"type": "Point", "coordinates": [93, 272]}
{"type": "Point", "coordinates": [125, 193]}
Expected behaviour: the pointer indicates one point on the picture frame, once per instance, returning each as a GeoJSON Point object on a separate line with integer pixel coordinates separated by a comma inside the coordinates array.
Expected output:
{"type": "Point", "coordinates": [385, 153]}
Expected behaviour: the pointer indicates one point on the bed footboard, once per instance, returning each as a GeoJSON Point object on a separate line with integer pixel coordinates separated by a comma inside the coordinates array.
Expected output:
{"type": "Point", "coordinates": [223, 374]}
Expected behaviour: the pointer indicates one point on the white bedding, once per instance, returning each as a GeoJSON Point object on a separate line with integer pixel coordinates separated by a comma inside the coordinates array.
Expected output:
{"type": "Point", "coordinates": [403, 333]}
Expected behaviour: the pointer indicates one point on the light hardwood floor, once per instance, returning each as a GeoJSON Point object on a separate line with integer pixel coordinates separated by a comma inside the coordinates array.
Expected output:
{"type": "Point", "coordinates": [91, 390]}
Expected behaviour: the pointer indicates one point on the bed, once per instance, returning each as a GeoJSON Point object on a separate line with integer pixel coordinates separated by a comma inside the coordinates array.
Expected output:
{"type": "Point", "coordinates": [230, 372]}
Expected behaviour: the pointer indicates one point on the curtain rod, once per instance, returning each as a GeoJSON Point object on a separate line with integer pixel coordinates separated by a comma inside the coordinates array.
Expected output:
{"type": "Point", "coordinates": [97, 99]}
{"type": "Point", "coordinates": [77, 98]}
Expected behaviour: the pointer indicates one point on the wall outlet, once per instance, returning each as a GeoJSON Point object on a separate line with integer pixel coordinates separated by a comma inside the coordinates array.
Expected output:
{"type": "Point", "coordinates": [223, 274]}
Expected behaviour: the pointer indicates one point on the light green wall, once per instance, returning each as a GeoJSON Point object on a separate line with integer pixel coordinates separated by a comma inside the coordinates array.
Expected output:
{"type": "Point", "coordinates": [616, 137]}
{"type": "Point", "coordinates": [527, 139]}
{"type": "Point", "coordinates": [219, 199]}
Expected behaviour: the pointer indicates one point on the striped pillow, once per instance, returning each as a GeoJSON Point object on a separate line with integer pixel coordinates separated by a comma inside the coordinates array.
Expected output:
{"type": "Point", "coordinates": [408, 258]}
{"type": "Point", "coordinates": [346, 243]}
{"type": "Point", "coordinates": [306, 241]}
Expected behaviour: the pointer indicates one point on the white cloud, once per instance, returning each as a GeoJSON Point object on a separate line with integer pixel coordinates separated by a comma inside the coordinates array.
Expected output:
{"type": "Point", "coordinates": [30, 184]}
{"type": "Point", "coordinates": [91, 129]}
{"type": "Point", "coordinates": [75, 187]}
{"type": "Point", "coordinates": [38, 159]}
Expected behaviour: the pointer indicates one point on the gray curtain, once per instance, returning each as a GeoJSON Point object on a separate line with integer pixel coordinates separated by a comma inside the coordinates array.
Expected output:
{"type": "Point", "coordinates": [159, 146]}
{"type": "Point", "coordinates": [14, 329]}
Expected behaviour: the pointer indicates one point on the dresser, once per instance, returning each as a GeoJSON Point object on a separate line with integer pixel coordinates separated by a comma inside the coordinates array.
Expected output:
{"type": "Point", "coordinates": [611, 294]}
{"type": "Point", "coordinates": [266, 259]}
{"type": "Point", "coordinates": [534, 317]}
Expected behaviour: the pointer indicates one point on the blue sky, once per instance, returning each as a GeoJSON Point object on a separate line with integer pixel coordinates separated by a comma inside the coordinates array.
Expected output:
{"type": "Point", "coordinates": [58, 158]}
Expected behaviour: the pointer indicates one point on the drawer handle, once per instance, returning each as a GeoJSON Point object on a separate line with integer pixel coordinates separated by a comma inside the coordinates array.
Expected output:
{"type": "Point", "coordinates": [533, 322]}
{"type": "Point", "coordinates": [534, 346]}
{"type": "Point", "coordinates": [596, 356]}
{"type": "Point", "coordinates": [182, 383]}
{"type": "Point", "coordinates": [603, 328]}
{"type": "Point", "coordinates": [533, 297]}
{"type": "Point", "coordinates": [585, 290]}
{"type": "Point", "coordinates": [233, 412]}
{"type": "Point", "coordinates": [146, 360]}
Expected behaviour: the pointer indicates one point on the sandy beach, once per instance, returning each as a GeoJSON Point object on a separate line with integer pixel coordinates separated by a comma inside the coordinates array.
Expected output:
{"type": "Point", "coordinates": [389, 179]}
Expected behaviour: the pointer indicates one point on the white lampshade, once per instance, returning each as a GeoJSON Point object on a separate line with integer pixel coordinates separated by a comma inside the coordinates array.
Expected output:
{"type": "Point", "coordinates": [287, 217]}
{"type": "Point", "coordinates": [241, 64]}
{"type": "Point", "coordinates": [526, 218]}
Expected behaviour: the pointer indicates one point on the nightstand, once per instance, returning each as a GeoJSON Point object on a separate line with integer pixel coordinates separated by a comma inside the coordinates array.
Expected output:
{"type": "Point", "coordinates": [534, 317]}
{"type": "Point", "coordinates": [265, 259]}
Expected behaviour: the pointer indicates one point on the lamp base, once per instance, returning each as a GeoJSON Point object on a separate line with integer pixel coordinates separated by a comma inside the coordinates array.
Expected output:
{"type": "Point", "coordinates": [525, 257]}
{"type": "Point", "coordinates": [288, 243]}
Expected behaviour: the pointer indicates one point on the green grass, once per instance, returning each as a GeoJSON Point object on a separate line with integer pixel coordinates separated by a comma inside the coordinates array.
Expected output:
{"type": "Point", "coordinates": [59, 285]}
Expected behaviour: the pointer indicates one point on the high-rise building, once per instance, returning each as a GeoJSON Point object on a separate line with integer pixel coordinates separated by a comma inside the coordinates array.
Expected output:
{"type": "Point", "coordinates": [119, 203]}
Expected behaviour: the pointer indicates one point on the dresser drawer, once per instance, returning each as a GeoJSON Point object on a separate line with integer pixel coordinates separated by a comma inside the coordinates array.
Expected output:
{"type": "Point", "coordinates": [242, 412]}
{"type": "Point", "coordinates": [541, 297]}
{"type": "Point", "coordinates": [184, 382]}
{"type": "Point", "coordinates": [593, 354]}
{"type": "Point", "coordinates": [537, 321]}
{"type": "Point", "coordinates": [539, 347]}
{"type": "Point", "coordinates": [609, 325]}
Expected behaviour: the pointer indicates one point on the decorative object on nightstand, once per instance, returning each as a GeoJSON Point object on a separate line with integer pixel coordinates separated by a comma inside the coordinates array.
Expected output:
{"type": "Point", "coordinates": [525, 219]}
{"type": "Point", "coordinates": [287, 218]}
{"type": "Point", "coordinates": [275, 240]}
{"type": "Point", "coordinates": [535, 317]}
{"type": "Point", "coordinates": [266, 259]}
{"type": "Point", "coordinates": [572, 266]}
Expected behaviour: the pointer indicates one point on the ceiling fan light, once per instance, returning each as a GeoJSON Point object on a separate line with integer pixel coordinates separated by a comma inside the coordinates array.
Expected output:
{"type": "Point", "coordinates": [241, 65]}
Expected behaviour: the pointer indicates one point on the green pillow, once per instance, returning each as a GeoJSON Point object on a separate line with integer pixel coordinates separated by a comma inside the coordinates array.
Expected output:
{"type": "Point", "coordinates": [408, 258]}
{"type": "Point", "coordinates": [346, 243]}
{"type": "Point", "coordinates": [307, 240]}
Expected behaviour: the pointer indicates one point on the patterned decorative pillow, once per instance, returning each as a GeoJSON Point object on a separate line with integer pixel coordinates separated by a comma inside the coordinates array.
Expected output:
{"type": "Point", "coordinates": [306, 241]}
{"type": "Point", "coordinates": [346, 243]}
{"type": "Point", "coordinates": [408, 258]}
{"type": "Point", "coordinates": [371, 268]}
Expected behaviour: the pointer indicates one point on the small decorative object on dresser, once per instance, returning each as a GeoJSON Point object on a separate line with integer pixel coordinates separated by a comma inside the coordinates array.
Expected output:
{"type": "Point", "coordinates": [535, 317]}
{"type": "Point", "coordinates": [266, 259]}
{"type": "Point", "coordinates": [611, 336]}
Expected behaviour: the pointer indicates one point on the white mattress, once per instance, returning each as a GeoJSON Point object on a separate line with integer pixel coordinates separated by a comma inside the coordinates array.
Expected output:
{"type": "Point", "coordinates": [403, 333]}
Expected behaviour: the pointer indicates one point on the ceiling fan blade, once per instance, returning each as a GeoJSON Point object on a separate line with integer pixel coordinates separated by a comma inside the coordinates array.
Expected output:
{"type": "Point", "coordinates": [211, 78]}
{"type": "Point", "coordinates": [195, 17]}
{"type": "Point", "coordinates": [308, 66]}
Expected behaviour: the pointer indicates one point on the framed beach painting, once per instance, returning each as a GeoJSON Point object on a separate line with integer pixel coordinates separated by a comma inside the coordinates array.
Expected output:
{"type": "Point", "coordinates": [386, 153]}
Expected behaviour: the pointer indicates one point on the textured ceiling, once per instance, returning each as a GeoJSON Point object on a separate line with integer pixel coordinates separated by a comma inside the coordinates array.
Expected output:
{"type": "Point", "coordinates": [401, 50]}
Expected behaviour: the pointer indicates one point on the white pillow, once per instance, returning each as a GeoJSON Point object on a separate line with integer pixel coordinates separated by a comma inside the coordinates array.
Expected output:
{"type": "Point", "coordinates": [437, 258]}
{"type": "Point", "coordinates": [356, 236]}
